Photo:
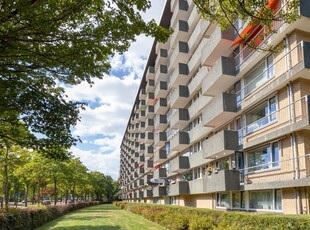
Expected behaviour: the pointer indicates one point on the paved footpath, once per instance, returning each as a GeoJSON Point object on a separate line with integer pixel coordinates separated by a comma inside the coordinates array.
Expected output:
{"type": "Point", "coordinates": [101, 217]}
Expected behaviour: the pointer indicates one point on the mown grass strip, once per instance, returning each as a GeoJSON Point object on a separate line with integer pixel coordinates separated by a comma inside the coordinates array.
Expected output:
{"type": "Point", "coordinates": [101, 217]}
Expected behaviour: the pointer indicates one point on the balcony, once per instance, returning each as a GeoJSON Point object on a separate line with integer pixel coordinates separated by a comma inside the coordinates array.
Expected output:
{"type": "Point", "coordinates": [149, 138]}
{"type": "Point", "coordinates": [282, 73]}
{"type": "Point", "coordinates": [159, 191]}
{"type": "Point", "coordinates": [194, 61]}
{"type": "Point", "coordinates": [150, 99]}
{"type": "Point", "coordinates": [196, 159]}
{"type": "Point", "coordinates": [160, 173]}
{"type": "Point", "coordinates": [149, 113]}
{"type": "Point", "coordinates": [218, 45]}
{"type": "Point", "coordinates": [198, 132]}
{"type": "Point", "coordinates": [142, 115]}
{"type": "Point", "coordinates": [148, 193]}
{"type": "Point", "coordinates": [220, 110]}
{"type": "Point", "coordinates": [141, 159]}
{"type": "Point", "coordinates": [160, 122]}
{"type": "Point", "coordinates": [195, 84]}
{"type": "Point", "coordinates": [179, 97]}
{"type": "Point", "coordinates": [221, 144]}
{"type": "Point", "coordinates": [141, 137]}
{"type": "Point", "coordinates": [161, 73]}
{"type": "Point", "coordinates": [179, 142]}
{"type": "Point", "coordinates": [149, 125]}
{"type": "Point", "coordinates": [222, 181]}
{"type": "Point", "coordinates": [161, 106]}
{"type": "Point", "coordinates": [179, 55]}
{"type": "Point", "coordinates": [161, 58]}
{"type": "Point", "coordinates": [196, 186]}
{"type": "Point", "coordinates": [287, 173]}
{"type": "Point", "coordinates": [140, 194]}
{"type": "Point", "coordinates": [150, 73]}
{"type": "Point", "coordinates": [180, 33]}
{"type": "Point", "coordinates": [150, 86]}
{"type": "Point", "coordinates": [179, 164]}
{"type": "Point", "coordinates": [141, 171]}
{"type": "Point", "coordinates": [179, 76]}
{"type": "Point", "coordinates": [142, 94]}
{"type": "Point", "coordinates": [179, 188]}
{"type": "Point", "coordinates": [270, 126]}
{"type": "Point", "coordinates": [198, 105]}
{"type": "Point", "coordinates": [141, 148]}
{"type": "Point", "coordinates": [149, 151]}
{"type": "Point", "coordinates": [248, 57]}
{"type": "Point", "coordinates": [180, 11]}
{"type": "Point", "coordinates": [203, 29]}
{"type": "Point", "coordinates": [148, 165]}
{"type": "Point", "coordinates": [161, 89]}
{"type": "Point", "coordinates": [179, 119]}
{"type": "Point", "coordinates": [160, 156]}
{"type": "Point", "coordinates": [147, 178]}
{"type": "Point", "coordinates": [220, 77]}
{"type": "Point", "coordinates": [160, 139]}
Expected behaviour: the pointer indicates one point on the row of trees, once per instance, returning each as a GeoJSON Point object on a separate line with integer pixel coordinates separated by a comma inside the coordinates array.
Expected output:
{"type": "Point", "coordinates": [30, 176]}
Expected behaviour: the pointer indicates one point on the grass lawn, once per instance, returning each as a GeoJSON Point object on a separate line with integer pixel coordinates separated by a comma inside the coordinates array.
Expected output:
{"type": "Point", "coordinates": [100, 217]}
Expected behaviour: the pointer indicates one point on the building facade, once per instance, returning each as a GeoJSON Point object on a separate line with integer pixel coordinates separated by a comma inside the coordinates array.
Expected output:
{"type": "Point", "coordinates": [223, 125]}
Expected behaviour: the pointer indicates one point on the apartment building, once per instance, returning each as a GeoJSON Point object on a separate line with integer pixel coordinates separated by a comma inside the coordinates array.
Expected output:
{"type": "Point", "coordinates": [217, 124]}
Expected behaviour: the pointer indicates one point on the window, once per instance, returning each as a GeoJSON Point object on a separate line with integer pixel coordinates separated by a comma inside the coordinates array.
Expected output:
{"type": "Point", "coordinates": [261, 74]}
{"type": "Point", "coordinates": [264, 158]}
{"type": "Point", "coordinates": [196, 173]}
{"type": "Point", "coordinates": [268, 200]}
{"type": "Point", "coordinates": [223, 200]}
{"type": "Point", "coordinates": [172, 200]}
{"type": "Point", "coordinates": [262, 115]}
{"type": "Point", "coordinates": [236, 200]}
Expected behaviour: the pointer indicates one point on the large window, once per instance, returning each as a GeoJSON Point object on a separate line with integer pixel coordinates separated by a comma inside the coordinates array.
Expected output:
{"type": "Point", "coordinates": [223, 200]}
{"type": "Point", "coordinates": [262, 73]}
{"type": "Point", "coordinates": [262, 115]}
{"type": "Point", "coordinates": [268, 200]}
{"type": "Point", "coordinates": [264, 158]}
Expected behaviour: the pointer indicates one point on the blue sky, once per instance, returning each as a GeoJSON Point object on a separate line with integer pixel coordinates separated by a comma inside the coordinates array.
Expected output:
{"type": "Point", "coordinates": [110, 101]}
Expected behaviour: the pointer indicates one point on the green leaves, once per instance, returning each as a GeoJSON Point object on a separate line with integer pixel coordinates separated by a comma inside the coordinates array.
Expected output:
{"type": "Point", "coordinates": [44, 44]}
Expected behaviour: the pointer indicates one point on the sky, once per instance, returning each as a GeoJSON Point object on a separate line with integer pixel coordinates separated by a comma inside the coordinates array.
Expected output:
{"type": "Point", "coordinates": [110, 101]}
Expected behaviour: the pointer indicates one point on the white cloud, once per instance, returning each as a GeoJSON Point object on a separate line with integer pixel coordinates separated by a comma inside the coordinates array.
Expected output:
{"type": "Point", "coordinates": [111, 100]}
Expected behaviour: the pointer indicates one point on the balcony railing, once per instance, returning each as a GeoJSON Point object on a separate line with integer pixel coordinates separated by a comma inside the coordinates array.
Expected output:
{"type": "Point", "coordinates": [296, 168]}
{"type": "Point", "coordinates": [248, 50]}
{"type": "Point", "coordinates": [289, 114]}
{"type": "Point", "coordinates": [295, 55]}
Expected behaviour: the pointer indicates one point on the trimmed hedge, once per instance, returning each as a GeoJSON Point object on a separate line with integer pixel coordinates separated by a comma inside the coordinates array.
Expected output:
{"type": "Point", "coordinates": [183, 218]}
{"type": "Point", "coordinates": [31, 218]}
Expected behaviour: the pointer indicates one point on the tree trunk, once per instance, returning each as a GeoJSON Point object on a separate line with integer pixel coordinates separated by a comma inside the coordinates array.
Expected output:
{"type": "Point", "coordinates": [26, 194]}
{"type": "Point", "coordinates": [66, 197]}
{"type": "Point", "coordinates": [33, 194]}
{"type": "Point", "coordinates": [55, 190]}
{"type": "Point", "coordinates": [6, 181]}
{"type": "Point", "coordinates": [73, 193]}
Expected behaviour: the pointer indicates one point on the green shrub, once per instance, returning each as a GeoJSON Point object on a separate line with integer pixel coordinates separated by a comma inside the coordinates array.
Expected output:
{"type": "Point", "coordinates": [179, 218]}
{"type": "Point", "coordinates": [31, 218]}
{"type": "Point", "coordinates": [201, 223]}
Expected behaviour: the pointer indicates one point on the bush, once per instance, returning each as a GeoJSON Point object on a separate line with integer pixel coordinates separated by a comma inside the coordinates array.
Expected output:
{"type": "Point", "coordinates": [180, 218]}
{"type": "Point", "coordinates": [31, 218]}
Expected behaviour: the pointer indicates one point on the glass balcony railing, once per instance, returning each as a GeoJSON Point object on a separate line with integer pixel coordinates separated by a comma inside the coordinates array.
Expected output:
{"type": "Point", "coordinates": [282, 65]}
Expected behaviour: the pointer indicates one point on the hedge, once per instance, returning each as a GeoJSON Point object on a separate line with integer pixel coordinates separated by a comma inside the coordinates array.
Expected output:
{"type": "Point", "coordinates": [184, 218]}
{"type": "Point", "coordinates": [31, 218]}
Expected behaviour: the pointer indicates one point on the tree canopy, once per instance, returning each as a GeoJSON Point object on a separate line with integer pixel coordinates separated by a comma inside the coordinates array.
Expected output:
{"type": "Point", "coordinates": [47, 44]}
{"type": "Point", "coordinates": [226, 13]}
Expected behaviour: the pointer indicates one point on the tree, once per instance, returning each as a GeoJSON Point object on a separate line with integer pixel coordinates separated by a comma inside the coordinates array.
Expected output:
{"type": "Point", "coordinates": [48, 44]}
{"type": "Point", "coordinates": [111, 188]}
{"type": "Point", "coordinates": [257, 12]}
